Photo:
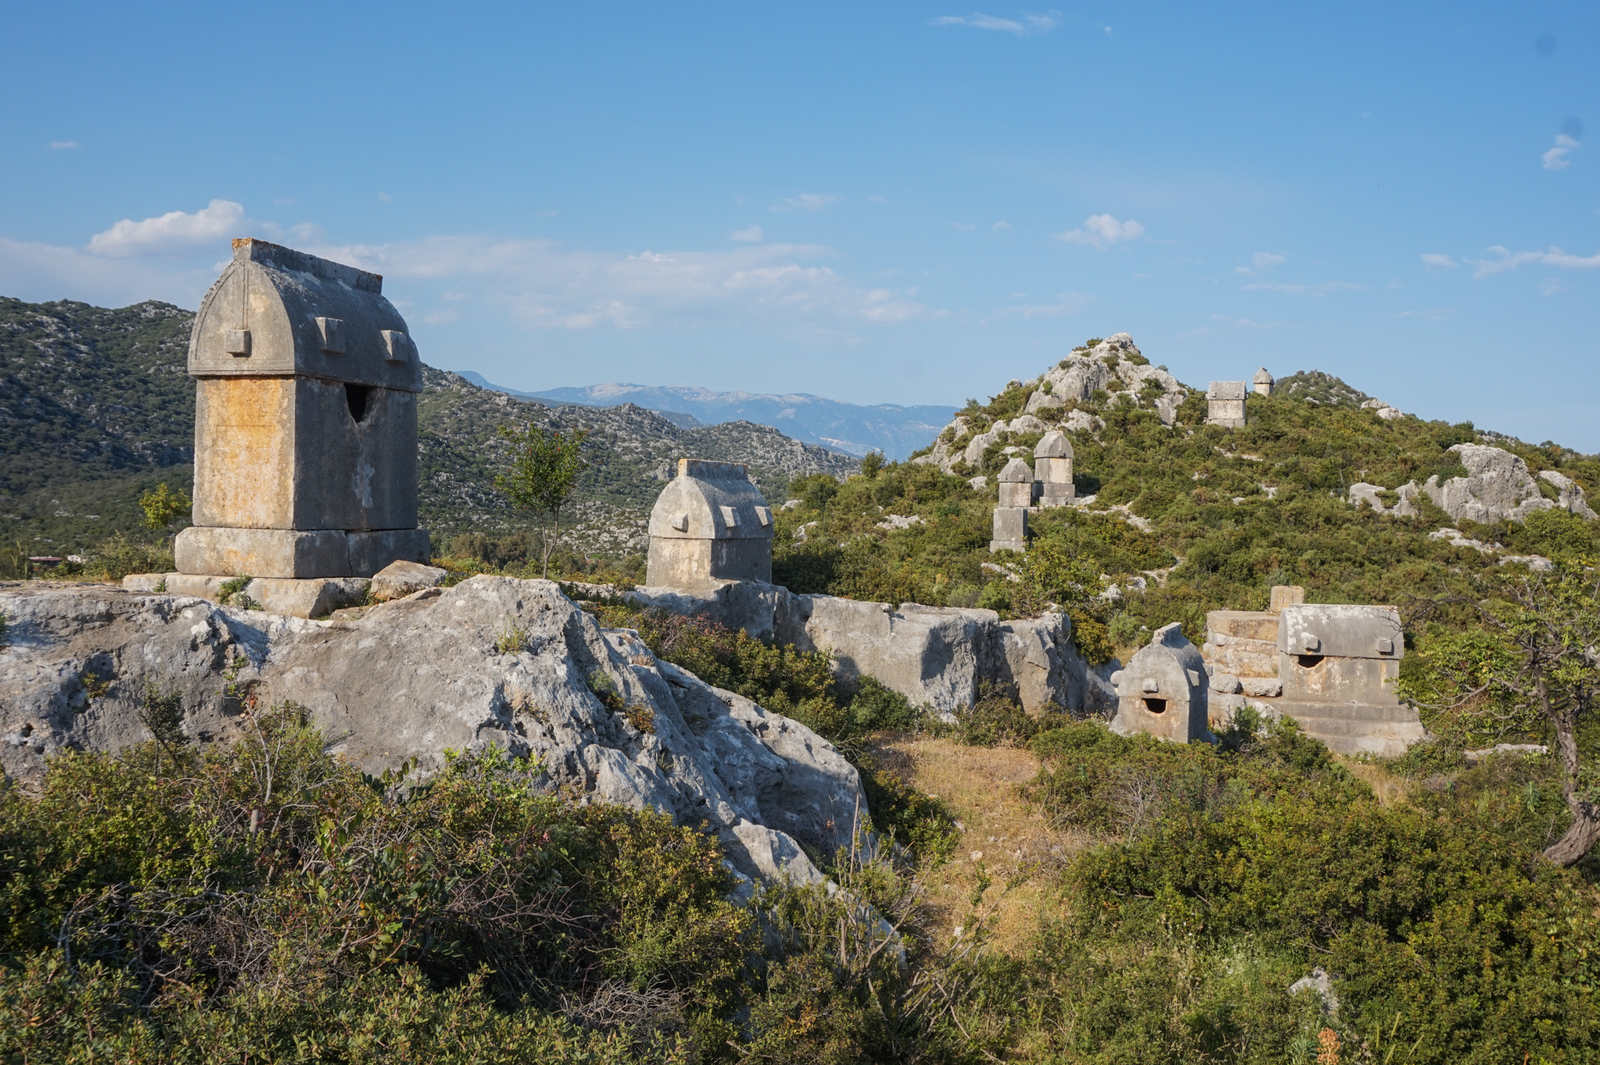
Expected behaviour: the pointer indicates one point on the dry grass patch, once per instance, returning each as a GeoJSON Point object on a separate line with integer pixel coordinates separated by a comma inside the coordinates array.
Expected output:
{"type": "Point", "coordinates": [1002, 833]}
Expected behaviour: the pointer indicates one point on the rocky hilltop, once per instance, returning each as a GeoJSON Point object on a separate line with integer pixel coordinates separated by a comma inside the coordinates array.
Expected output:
{"type": "Point", "coordinates": [96, 407]}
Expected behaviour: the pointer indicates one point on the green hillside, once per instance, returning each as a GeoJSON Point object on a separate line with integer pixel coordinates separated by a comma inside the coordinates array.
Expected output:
{"type": "Point", "coordinates": [96, 408]}
{"type": "Point", "coordinates": [1231, 512]}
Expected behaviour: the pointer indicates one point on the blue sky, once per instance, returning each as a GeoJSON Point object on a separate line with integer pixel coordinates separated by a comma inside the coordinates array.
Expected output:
{"type": "Point", "coordinates": [887, 202]}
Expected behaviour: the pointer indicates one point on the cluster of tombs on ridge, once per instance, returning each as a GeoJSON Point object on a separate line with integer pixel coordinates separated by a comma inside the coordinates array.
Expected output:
{"type": "Point", "coordinates": [306, 478]}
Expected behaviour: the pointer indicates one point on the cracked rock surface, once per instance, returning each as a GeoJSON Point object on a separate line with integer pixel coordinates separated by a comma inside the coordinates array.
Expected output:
{"type": "Point", "coordinates": [492, 660]}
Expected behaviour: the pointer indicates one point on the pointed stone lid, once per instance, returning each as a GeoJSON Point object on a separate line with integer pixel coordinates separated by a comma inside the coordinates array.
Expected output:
{"type": "Point", "coordinates": [1054, 445]}
{"type": "Point", "coordinates": [1016, 471]}
{"type": "Point", "coordinates": [1262, 377]}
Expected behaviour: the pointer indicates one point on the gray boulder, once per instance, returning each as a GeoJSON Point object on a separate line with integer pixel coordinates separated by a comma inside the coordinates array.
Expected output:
{"type": "Point", "coordinates": [1498, 485]}
{"type": "Point", "coordinates": [492, 661]}
{"type": "Point", "coordinates": [402, 578]}
{"type": "Point", "coordinates": [940, 657]}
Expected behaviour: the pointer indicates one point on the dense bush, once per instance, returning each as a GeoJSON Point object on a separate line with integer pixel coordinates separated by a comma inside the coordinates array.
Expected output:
{"type": "Point", "coordinates": [239, 894]}
{"type": "Point", "coordinates": [1229, 873]}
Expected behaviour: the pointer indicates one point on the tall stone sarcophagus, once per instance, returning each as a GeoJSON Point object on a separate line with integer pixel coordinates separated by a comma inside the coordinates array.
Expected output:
{"type": "Point", "coordinates": [305, 422]}
{"type": "Point", "coordinates": [709, 524]}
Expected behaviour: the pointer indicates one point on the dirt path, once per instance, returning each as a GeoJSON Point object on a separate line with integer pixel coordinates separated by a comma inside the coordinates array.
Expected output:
{"type": "Point", "coordinates": [1004, 834]}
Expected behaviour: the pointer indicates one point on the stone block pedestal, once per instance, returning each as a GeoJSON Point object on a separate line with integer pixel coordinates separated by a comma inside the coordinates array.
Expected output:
{"type": "Point", "coordinates": [291, 554]}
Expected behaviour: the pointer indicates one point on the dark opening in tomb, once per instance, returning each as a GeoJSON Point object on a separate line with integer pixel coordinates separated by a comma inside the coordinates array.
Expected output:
{"type": "Point", "coordinates": [355, 397]}
{"type": "Point", "coordinates": [1156, 706]}
{"type": "Point", "coordinates": [1308, 661]}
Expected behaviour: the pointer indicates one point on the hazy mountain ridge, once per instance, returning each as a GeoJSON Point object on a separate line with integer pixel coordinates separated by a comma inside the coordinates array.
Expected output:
{"type": "Point", "coordinates": [97, 407]}
{"type": "Point", "coordinates": [854, 428]}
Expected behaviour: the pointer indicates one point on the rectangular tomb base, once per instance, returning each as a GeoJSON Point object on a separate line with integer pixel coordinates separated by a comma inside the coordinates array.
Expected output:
{"type": "Point", "coordinates": [294, 554]}
{"type": "Point", "coordinates": [297, 598]}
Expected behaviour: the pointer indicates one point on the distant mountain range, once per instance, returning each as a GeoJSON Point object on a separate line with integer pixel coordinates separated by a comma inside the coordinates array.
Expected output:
{"type": "Point", "coordinates": [849, 427]}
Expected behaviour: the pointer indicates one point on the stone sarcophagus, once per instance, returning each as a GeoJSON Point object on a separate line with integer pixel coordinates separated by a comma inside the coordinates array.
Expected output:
{"type": "Point", "coordinates": [305, 422]}
{"type": "Point", "coordinates": [709, 524]}
{"type": "Point", "coordinates": [1163, 690]}
{"type": "Point", "coordinates": [1225, 404]}
{"type": "Point", "coordinates": [1052, 466]}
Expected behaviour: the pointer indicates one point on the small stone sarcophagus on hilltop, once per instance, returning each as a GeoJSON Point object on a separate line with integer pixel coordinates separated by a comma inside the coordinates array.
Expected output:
{"type": "Point", "coordinates": [1162, 690]}
{"type": "Point", "coordinates": [1225, 404]}
{"type": "Point", "coordinates": [305, 422]}
{"type": "Point", "coordinates": [709, 524]}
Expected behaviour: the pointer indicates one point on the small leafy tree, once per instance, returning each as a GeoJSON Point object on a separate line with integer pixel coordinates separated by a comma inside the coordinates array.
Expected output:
{"type": "Point", "coordinates": [872, 464]}
{"type": "Point", "coordinates": [545, 464]}
{"type": "Point", "coordinates": [163, 506]}
{"type": "Point", "coordinates": [1534, 666]}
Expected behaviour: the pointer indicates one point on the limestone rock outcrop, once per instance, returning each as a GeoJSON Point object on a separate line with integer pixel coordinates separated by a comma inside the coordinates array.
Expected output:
{"type": "Point", "coordinates": [491, 661]}
{"type": "Point", "coordinates": [935, 656]}
{"type": "Point", "coordinates": [1113, 366]}
{"type": "Point", "coordinates": [1498, 486]}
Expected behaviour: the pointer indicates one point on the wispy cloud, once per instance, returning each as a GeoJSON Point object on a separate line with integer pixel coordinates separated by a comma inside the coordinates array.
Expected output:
{"type": "Point", "coordinates": [1437, 314]}
{"type": "Point", "coordinates": [806, 201]}
{"type": "Point", "coordinates": [546, 286]}
{"type": "Point", "coordinates": [171, 233]}
{"type": "Point", "coordinates": [1102, 231]}
{"type": "Point", "coordinates": [1024, 26]}
{"type": "Point", "coordinates": [1556, 158]}
{"type": "Point", "coordinates": [1442, 261]}
{"type": "Point", "coordinates": [1001, 225]}
{"type": "Point", "coordinates": [1223, 321]}
{"type": "Point", "coordinates": [1553, 256]}
{"type": "Point", "coordinates": [1261, 260]}
{"type": "Point", "coordinates": [1066, 303]}
{"type": "Point", "coordinates": [60, 146]}
{"type": "Point", "coordinates": [753, 235]}
{"type": "Point", "coordinates": [1550, 286]}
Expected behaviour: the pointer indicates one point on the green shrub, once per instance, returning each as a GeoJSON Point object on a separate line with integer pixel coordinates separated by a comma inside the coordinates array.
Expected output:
{"type": "Point", "coordinates": [266, 894]}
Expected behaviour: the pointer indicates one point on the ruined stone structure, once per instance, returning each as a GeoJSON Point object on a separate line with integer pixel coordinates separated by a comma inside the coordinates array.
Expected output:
{"type": "Point", "coordinates": [1225, 404]}
{"type": "Point", "coordinates": [1162, 690]}
{"type": "Point", "coordinates": [1052, 470]}
{"type": "Point", "coordinates": [709, 524]}
{"type": "Point", "coordinates": [1011, 516]}
{"type": "Point", "coordinates": [1330, 667]}
{"type": "Point", "coordinates": [1262, 382]}
{"type": "Point", "coordinates": [305, 423]}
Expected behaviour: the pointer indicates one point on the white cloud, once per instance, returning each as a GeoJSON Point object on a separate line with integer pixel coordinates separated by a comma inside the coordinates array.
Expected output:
{"type": "Point", "coordinates": [57, 146]}
{"type": "Point", "coordinates": [1554, 256]}
{"type": "Point", "coordinates": [753, 235]}
{"type": "Point", "coordinates": [1264, 260]}
{"type": "Point", "coordinates": [806, 201]}
{"type": "Point", "coordinates": [175, 231]}
{"type": "Point", "coordinates": [384, 197]}
{"type": "Point", "coordinates": [1002, 225]}
{"type": "Point", "coordinates": [1066, 303]}
{"type": "Point", "coordinates": [1029, 24]}
{"type": "Point", "coordinates": [39, 272]}
{"type": "Point", "coordinates": [1556, 158]}
{"type": "Point", "coordinates": [1435, 259]}
{"type": "Point", "coordinates": [1550, 286]}
{"type": "Point", "coordinates": [1102, 231]}
{"type": "Point", "coordinates": [1437, 314]}
{"type": "Point", "coordinates": [546, 286]}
